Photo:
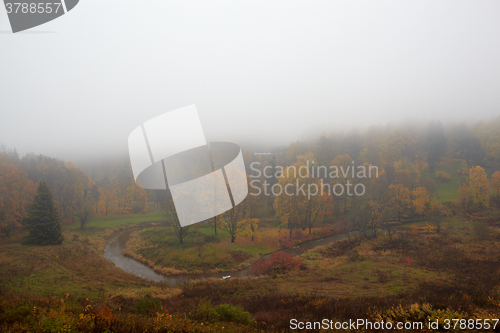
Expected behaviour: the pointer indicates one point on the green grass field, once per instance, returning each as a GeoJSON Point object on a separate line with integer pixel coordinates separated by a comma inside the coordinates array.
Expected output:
{"type": "Point", "coordinates": [99, 227]}
{"type": "Point", "coordinates": [448, 191]}
{"type": "Point", "coordinates": [106, 222]}
{"type": "Point", "coordinates": [201, 249]}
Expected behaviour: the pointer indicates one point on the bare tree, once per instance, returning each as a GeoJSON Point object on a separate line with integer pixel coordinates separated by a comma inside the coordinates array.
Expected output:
{"type": "Point", "coordinates": [169, 208]}
{"type": "Point", "coordinates": [436, 213]}
{"type": "Point", "coordinates": [233, 221]}
{"type": "Point", "coordinates": [82, 201]}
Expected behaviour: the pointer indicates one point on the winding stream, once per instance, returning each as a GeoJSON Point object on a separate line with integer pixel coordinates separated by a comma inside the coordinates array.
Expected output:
{"type": "Point", "coordinates": [116, 245]}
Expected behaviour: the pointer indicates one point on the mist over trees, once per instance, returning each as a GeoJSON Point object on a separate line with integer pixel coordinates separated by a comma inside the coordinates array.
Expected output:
{"type": "Point", "coordinates": [428, 194]}
{"type": "Point", "coordinates": [16, 193]}
{"type": "Point", "coordinates": [406, 157]}
{"type": "Point", "coordinates": [436, 142]}
{"type": "Point", "coordinates": [106, 189]}
{"type": "Point", "coordinates": [404, 188]}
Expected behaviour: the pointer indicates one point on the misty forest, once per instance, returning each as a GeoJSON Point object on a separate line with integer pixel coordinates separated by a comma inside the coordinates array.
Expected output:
{"type": "Point", "coordinates": [416, 240]}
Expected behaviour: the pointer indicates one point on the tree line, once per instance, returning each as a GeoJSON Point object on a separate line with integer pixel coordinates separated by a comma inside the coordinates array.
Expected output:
{"type": "Point", "coordinates": [406, 157]}
{"type": "Point", "coordinates": [77, 196]}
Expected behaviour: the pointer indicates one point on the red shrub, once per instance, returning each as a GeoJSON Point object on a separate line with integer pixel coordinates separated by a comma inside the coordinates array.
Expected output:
{"type": "Point", "coordinates": [285, 242]}
{"type": "Point", "coordinates": [342, 227]}
{"type": "Point", "coordinates": [325, 232]}
{"type": "Point", "coordinates": [298, 237]}
{"type": "Point", "coordinates": [279, 263]}
{"type": "Point", "coordinates": [301, 237]}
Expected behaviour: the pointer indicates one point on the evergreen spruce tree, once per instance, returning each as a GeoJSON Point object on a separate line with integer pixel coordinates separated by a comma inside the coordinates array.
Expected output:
{"type": "Point", "coordinates": [42, 220]}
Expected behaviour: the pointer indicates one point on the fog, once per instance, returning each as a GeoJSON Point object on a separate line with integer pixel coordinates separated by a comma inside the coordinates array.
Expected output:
{"type": "Point", "coordinates": [259, 72]}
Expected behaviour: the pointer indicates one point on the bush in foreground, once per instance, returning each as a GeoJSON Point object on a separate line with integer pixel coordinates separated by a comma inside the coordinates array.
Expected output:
{"type": "Point", "coordinates": [40, 314]}
{"type": "Point", "coordinates": [205, 311]}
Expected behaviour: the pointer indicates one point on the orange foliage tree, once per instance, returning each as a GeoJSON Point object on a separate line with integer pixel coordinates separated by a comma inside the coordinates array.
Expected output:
{"type": "Point", "coordinates": [136, 199]}
{"type": "Point", "coordinates": [16, 192]}
{"type": "Point", "coordinates": [495, 182]}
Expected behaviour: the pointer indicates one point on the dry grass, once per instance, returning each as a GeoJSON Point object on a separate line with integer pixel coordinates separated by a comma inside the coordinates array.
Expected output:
{"type": "Point", "coordinates": [142, 292]}
{"type": "Point", "coordinates": [369, 273]}
{"type": "Point", "coordinates": [74, 269]}
{"type": "Point", "coordinates": [450, 269]}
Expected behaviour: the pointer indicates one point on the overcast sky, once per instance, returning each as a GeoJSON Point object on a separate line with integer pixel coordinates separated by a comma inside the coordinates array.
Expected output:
{"type": "Point", "coordinates": [258, 71]}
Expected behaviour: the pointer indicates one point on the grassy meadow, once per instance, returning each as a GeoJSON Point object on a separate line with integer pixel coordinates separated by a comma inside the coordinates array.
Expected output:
{"type": "Point", "coordinates": [448, 191]}
{"type": "Point", "coordinates": [76, 267]}
{"type": "Point", "coordinates": [202, 251]}
{"type": "Point", "coordinates": [416, 273]}
{"type": "Point", "coordinates": [72, 286]}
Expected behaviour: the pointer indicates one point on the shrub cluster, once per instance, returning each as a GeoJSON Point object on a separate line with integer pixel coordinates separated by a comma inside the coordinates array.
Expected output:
{"type": "Point", "coordinates": [285, 242]}
{"type": "Point", "coordinates": [31, 313]}
{"type": "Point", "coordinates": [240, 255]}
{"type": "Point", "coordinates": [443, 176]}
{"type": "Point", "coordinates": [325, 232]}
{"type": "Point", "coordinates": [337, 249]}
{"type": "Point", "coordinates": [279, 263]}
{"type": "Point", "coordinates": [147, 305]}
{"type": "Point", "coordinates": [205, 311]}
{"type": "Point", "coordinates": [299, 236]}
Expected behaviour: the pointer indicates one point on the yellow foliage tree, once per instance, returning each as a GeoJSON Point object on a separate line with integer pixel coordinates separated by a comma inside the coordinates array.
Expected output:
{"type": "Point", "coordinates": [249, 227]}
{"type": "Point", "coordinates": [107, 199]}
{"type": "Point", "coordinates": [286, 206]}
{"type": "Point", "coordinates": [479, 186]}
{"type": "Point", "coordinates": [301, 199]}
{"type": "Point", "coordinates": [136, 199]}
{"type": "Point", "coordinates": [495, 182]}
{"type": "Point", "coordinates": [420, 200]}
{"type": "Point", "coordinates": [399, 199]}
{"type": "Point", "coordinates": [465, 199]}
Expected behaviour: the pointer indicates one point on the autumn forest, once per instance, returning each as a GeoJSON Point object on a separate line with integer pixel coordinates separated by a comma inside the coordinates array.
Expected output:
{"type": "Point", "coordinates": [398, 223]}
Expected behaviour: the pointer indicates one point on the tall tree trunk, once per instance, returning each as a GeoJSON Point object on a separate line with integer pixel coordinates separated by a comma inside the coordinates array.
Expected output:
{"type": "Point", "coordinates": [215, 225]}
